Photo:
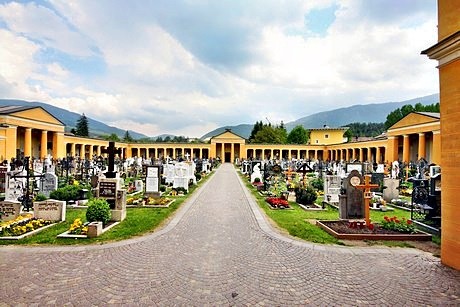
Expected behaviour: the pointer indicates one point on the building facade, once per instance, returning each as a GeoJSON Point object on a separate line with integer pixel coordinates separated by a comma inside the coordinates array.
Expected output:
{"type": "Point", "coordinates": [447, 53]}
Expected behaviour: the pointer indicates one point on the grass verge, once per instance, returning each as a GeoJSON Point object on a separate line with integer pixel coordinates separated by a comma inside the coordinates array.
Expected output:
{"type": "Point", "coordinates": [138, 221]}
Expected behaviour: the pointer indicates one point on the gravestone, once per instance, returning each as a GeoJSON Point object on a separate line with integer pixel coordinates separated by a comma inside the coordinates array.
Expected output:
{"type": "Point", "coordinates": [420, 193]}
{"type": "Point", "coordinates": [3, 178]}
{"type": "Point", "coordinates": [48, 184]}
{"type": "Point", "coordinates": [332, 185]}
{"type": "Point", "coordinates": [169, 173]}
{"type": "Point", "coordinates": [110, 190]}
{"type": "Point", "coordinates": [256, 173]}
{"type": "Point", "coordinates": [50, 210]}
{"type": "Point", "coordinates": [139, 185]}
{"type": "Point", "coordinates": [395, 170]}
{"type": "Point", "coordinates": [181, 178]}
{"type": "Point", "coordinates": [377, 178]}
{"type": "Point", "coordinates": [355, 166]}
{"type": "Point", "coordinates": [392, 189]}
{"type": "Point", "coordinates": [351, 202]}
{"type": "Point", "coordinates": [152, 181]}
{"type": "Point", "coordinates": [10, 209]}
{"type": "Point", "coordinates": [14, 188]}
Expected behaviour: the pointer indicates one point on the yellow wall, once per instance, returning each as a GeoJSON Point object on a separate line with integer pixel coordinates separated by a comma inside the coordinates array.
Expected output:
{"type": "Point", "coordinates": [448, 18]}
{"type": "Point", "coordinates": [450, 157]}
{"type": "Point", "coordinates": [326, 136]}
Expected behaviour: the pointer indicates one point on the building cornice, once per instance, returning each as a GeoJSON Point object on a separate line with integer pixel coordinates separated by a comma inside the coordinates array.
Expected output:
{"type": "Point", "coordinates": [445, 51]}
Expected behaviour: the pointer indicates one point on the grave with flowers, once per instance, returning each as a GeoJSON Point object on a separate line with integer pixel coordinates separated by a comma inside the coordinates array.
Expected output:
{"type": "Point", "coordinates": [16, 224]}
{"type": "Point", "coordinates": [359, 226]}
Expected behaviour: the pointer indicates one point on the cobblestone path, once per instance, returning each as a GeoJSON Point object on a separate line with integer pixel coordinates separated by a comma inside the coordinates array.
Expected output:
{"type": "Point", "coordinates": [219, 250]}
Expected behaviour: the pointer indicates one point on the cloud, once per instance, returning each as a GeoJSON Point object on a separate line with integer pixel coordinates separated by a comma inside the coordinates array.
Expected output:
{"type": "Point", "coordinates": [187, 67]}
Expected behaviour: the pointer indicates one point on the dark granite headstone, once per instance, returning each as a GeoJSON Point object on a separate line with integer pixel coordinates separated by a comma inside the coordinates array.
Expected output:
{"type": "Point", "coordinates": [352, 200]}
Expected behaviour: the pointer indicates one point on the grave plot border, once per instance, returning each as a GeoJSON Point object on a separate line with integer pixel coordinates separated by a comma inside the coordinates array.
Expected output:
{"type": "Point", "coordinates": [30, 233]}
{"type": "Point", "coordinates": [418, 236]}
{"type": "Point", "coordinates": [67, 235]}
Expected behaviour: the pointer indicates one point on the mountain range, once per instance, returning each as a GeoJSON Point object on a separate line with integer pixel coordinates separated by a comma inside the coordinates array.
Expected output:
{"type": "Point", "coordinates": [70, 119]}
{"type": "Point", "coordinates": [360, 113]}
{"type": "Point", "coordinates": [367, 113]}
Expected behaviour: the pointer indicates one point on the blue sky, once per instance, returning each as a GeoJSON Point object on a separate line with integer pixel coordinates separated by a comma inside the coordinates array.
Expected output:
{"type": "Point", "coordinates": [187, 67]}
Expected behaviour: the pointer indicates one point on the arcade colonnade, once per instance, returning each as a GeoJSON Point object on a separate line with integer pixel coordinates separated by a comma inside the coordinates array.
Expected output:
{"type": "Point", "coordinates": [33, 132]}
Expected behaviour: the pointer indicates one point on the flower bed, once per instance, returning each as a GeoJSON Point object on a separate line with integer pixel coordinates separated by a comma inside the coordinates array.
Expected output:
{"type": "Point", "coordinates": [277, 203]}
{"type": "Point", "coordinates": [162, 202]}
{"type": "Point", "coordinates": [22, 226]}
{"type": "Point", "coordinates": [357, 230]}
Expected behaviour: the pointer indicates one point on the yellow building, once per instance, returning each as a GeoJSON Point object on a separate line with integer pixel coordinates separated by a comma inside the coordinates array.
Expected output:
{"type": "Point", "coordinates": [327, 135]}
{"type": "Point", "coordinates": [26, 130]}
{"type": "Point", "coordinates": [447, 53]}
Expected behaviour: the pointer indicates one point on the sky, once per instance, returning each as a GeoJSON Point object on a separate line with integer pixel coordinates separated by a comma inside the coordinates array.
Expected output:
{"type": "Point", "coordinates": [186, 67]}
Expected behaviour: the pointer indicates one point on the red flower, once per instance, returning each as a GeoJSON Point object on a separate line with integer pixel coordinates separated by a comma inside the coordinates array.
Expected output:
{"type": "Point", "coordinates": [370, 226]}
{"type": "Point", "coordinates": [409, 222]}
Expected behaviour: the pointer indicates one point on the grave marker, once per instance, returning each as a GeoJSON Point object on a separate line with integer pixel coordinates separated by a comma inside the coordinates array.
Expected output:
{"type": "Point", "coordinates": [48, 184]}
{"type": "Point", "coordinates": [152, 181]}
{"type": "Point", "coordinates": [10, 209]}
{"type": "Point", "coordinates": [50, 210]}
{"type": "Point", "coordinates": [351, 202]}
{"type": "Point", "coordinates": [366, 187]}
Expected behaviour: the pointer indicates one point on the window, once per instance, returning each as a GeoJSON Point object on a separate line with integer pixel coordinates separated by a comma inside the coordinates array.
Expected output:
{"type": "Point", "coordinates": [326, 136]}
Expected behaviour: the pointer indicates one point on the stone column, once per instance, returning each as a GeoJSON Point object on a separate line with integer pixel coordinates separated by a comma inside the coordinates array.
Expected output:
{"type": "Point", "coordinates": [28, 142]}
{"type": "Point", "coordinates": [406, 149]}
{"type": "Point", "coordinates": [377, 155]}
{"type": "Point", "coordinates": [44, 144]}
{"type": "Point", "coordinates": [72, 149]}
{"type": "Point", "coordinates": [222, 153]}
{"type": "Point", "coordinates": [436, 154]}
{"type": "Point", "coordinates": [12, 139]}
{"type": "Point", "coordinates": [316, 154]}
{"type": "Point", "coordinates": [91, 151]}
{"type": "Point", "coordinates": [98, 150]}
{"type": "Point", "coordinates": [58, 145]}
{"type": "Point", "coordinates": [232, 153]}
{"type": "Point", "coordinates": [421, 145]}
{"type": "Point", "coordinates": [361, 158]}
{"type": "Point", "coordinates": [82, 151]}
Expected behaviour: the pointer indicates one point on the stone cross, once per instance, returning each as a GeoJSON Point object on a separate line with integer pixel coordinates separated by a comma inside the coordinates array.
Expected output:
{"type": "Point", "coordinates": [366, 187]}
{"type": "Point", "coordinates": [111, 151]}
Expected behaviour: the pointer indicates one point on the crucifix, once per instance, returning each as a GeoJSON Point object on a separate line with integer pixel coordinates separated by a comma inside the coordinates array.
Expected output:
{"type": "Point", "coordinates": [111, 151]}
{"type": "Point", "coordinates": [366, 187]}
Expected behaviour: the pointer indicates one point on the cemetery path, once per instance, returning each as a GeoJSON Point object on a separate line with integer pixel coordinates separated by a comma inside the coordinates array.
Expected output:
{"type": "Point", "coordinates": [220, 250]}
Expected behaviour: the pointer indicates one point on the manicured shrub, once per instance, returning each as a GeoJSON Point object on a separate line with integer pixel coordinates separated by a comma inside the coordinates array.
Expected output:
{"type": "Point", "coordinates": [68, 192]}
{"type": "Point", "coordinates": [98, 211]}
{"type": "Point", "coordinates": [305, 196]}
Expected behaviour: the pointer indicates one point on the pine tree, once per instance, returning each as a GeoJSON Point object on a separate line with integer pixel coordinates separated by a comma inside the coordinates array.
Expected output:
{"type": "Point", "coordinates": [81, 128]}
{"type": "Point", "coordinates": [127, 137]}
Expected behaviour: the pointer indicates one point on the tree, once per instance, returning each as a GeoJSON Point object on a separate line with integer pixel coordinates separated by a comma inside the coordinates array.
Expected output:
{"type": "Point", "coordinates": [399, 113]}
{"type": "Point", "coordinates": [81, 128]}
{"type": "Point", "coordinates": [270, 135]}
{"type": "Point", "coordinates": [112, 137]}
{"type": "Point", "coordinates": [257, 127]}
{"type": "Point", "coordinates": [298, 135]}
{"type": "Point", "coordinates": [127, 138]}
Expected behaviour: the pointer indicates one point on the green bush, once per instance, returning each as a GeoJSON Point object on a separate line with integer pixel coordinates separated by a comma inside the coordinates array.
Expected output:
{"type": "Point", "coordinates": [68, 192]}
{"type": "Point", "coordinates": [162, 188]}
{"type": "Point", "coordinates": [40, 197]}
{"type": "Point", "coordinates": [305, 196]}
{"type": "Point", "coordinates": [98, 211]}
{"type": "Point", "coordinates": [198, 176]}
{"type": "Point", "coordinates": [318, 184]}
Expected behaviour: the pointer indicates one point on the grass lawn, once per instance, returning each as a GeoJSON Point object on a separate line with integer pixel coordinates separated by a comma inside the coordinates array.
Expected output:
{"type": "Point", "coordinates": [300, 223]}
{"type": "Point", "coordinates": [138, 221]}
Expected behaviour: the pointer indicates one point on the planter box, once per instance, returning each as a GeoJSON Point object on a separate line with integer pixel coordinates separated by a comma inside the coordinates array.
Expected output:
{"type": "Point", "coordinates": [67, 234]}
{"type": "Point", "coordinates": [28, 234]}
{"type": "Point", "coordinates": [418, 236]}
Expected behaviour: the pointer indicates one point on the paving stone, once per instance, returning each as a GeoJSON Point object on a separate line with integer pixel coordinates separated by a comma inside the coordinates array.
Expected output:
{"type": "Point", "coordinates": [218, 250]}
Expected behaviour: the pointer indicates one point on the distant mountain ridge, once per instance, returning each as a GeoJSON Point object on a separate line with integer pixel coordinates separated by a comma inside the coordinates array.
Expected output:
{"type": "Point", "coordinates": [367, 113]}
{"type": "Point", "coordinates": [70, 119]}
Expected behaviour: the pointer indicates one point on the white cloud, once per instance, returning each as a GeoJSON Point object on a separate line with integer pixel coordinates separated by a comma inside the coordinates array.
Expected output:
{"type": "Point", "coordinates": [185, 67]}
